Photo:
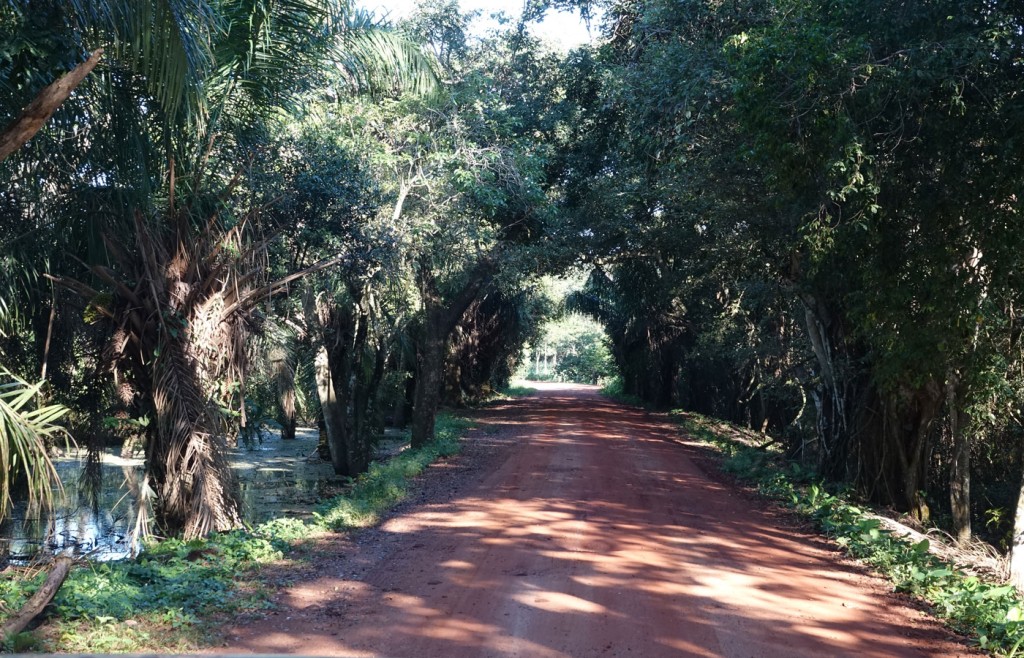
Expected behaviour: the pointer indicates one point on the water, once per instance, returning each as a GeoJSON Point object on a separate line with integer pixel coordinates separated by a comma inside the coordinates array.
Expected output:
{"type": "Point", "coordinates": [277, 478]}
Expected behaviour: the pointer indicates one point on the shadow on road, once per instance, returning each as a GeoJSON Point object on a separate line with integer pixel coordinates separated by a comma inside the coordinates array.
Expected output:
{"type": "Point", "coordinates": [598, 535]}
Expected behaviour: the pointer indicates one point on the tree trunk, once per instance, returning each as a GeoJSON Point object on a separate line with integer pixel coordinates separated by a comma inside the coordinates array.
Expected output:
{"type": "Point", "coordinates": [347, 384]}
{"type": "Point", "coordinates": [366, 418]}
{"type": "Point", "coordinates": [429, 371]}
{"type": "Point", "coordinates": [1017, 545]}
{"type": "Point", "coordinates": [830, 400]}
{"type": "Point", "coordinates": [284, 381]}
{"type": "Point", "coordinates": [333, 413]}
{"type": "Point", "coordinates": [960, 469]}
{"type": "Point", "coordinates": [910, 415]}
{"type": "Point", "coordinates": [439, 321]}
{"type": "Point", "coordinates": [58, 573]}
{"type": "Point", "coordinates": [406, 391]}
{"type": "Point", "coordinates": [358, 389]}
{"type": "Point", "coordinates": [186, 451]}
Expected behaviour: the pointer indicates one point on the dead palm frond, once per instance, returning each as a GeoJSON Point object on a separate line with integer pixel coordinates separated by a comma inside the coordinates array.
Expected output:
{"type": "Point", "coordinates": [197, 494]}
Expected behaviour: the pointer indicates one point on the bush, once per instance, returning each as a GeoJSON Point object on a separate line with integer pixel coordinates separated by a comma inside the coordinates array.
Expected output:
{"type": "Point", "coordinates": [615, 389]}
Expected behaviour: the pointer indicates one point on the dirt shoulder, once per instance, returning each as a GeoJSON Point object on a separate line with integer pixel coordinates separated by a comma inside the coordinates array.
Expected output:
{"type": "Point", "coordinates": [574, 526]}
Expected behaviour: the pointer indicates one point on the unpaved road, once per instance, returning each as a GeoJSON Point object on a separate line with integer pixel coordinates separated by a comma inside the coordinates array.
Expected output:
{"type": "Point", "coordinates": [581, 527]}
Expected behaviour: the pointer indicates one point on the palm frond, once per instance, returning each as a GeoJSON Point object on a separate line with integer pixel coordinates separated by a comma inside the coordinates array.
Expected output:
{"type": "Point", "coordinates": [168, 43]}
{"type": "Point", "coordinates": [26, 432]}
{"type": "Point", "coordinates": [271, 51]}
{"type": "Point", "coordinates": [379, 61]}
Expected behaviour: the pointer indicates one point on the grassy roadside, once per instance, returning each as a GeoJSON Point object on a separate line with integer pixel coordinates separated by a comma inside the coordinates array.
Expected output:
{"type": "Point", "coordinates": [516, 389]}
{"type": "Point", "coordinates": [990, 613]}
{"type": "Point", "coordinates": [167, 598]}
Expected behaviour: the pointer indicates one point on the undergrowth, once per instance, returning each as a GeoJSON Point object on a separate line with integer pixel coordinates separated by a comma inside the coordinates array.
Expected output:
{"type": "Point", "coordinates": [989, 612]}
{"type": "Point", "coordinates": [517, 388]}
{"type": "Point", "coordinates": [615, 390]}
{"type": "Point", "coordinates": [166, 597]}
{"type": "Point", "coordinates": [518, 391]}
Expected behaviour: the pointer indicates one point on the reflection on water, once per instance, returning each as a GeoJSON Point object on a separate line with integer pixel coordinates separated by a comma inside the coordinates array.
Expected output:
{"type": "Point", "coordinates": [276, 478]}
{"type": "Point", "coordinates": [283, 478]}
{"type": "Point", "coordinates": [87, 522]}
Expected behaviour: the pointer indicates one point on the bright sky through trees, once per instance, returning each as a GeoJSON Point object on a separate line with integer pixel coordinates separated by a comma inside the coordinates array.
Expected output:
{"type": "Point", "coordinates": [562, 28]}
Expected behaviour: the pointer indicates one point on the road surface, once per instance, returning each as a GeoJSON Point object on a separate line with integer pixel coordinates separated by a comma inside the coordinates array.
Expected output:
{"type": "Point", "coordinates": [581, 527]}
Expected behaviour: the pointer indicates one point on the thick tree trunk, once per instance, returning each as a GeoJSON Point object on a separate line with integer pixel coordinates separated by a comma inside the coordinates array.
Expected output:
{"type": "Point", "coordinates": [186, 453]}
{"type": "Point", "coordinates": [910, 418]}
{"type": "Point", "coordinates": [960, 420]}
{"type": "Point", "coordinates": [439, 320]}
{"type": "Point", "coordinates": [58, 574]}
{"type": "Point", "coordinates": [960, 487]}
{"type": "Point", "coordinates": [358, 389]}
{"type": "Point", "coordinates": [348, 386]}
{"type": "Point", "coordinates": [829, 394]}
{"type": "Point", "coordinates": [429, 372]}
{"type": "Point", "coordinates": [884, 452]}
{"type": "Point", "coordinates": [407, 388]}
{"type": "Point", "coordinates": [1017, 546]}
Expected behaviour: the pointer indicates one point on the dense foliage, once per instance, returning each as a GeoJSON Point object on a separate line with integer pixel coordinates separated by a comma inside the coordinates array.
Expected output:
{"type": "Point", "coordinates": [802, 217]}
{"type": "Point", "coordinates": [572, 348]}
{"type": "Point", "coordinates": [799, 216]}
{"type": "Point", "coordinates": [255, 209]}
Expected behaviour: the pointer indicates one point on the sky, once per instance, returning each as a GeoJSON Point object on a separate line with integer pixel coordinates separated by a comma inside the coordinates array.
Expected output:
{"type": "Point", "coordinates": [562, 29]}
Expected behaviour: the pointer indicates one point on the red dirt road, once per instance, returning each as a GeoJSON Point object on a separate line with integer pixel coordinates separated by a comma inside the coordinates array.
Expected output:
{"type": "Point", "coordinates": [586, 529]}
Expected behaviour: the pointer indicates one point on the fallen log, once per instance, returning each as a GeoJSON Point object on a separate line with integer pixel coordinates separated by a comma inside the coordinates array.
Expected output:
{"type": "Point", "coordinates": [35, 604]}
{"type": "Point", "coordinates": [976, 558]}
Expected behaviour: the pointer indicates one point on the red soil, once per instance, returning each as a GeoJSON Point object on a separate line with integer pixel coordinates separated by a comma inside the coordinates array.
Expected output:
{"type": "Point", "coordinates": [574, 526]}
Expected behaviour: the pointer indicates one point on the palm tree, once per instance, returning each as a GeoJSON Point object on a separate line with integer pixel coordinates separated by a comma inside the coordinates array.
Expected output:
{"type": "Point", "coordinates": [176, 267]}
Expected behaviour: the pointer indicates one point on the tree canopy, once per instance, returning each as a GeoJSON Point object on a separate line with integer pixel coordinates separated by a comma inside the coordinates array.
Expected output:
{"type": "Point", "coordinates": [800, 216]}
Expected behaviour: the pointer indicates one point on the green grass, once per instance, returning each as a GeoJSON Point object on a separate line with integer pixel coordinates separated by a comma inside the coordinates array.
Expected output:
{"type": "Point", "coordinates": [989, 612]}
{"type": "Point", "coordinates": [174, 592]}
{"type": "Point", "coordinates": [165, 592]}
{"type": "Point", "coordinates": [515, 390]}
{"type": "Point", "coordinates": [385, 484]}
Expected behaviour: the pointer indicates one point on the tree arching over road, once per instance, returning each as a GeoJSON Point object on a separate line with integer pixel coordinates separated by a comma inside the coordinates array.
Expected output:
{"type": "Point", "coordinates": [799, 216]}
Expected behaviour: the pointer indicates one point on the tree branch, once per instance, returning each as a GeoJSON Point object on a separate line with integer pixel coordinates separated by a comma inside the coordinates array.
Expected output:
{"type": "Point", "coordinates": [42, 107]}
{"type": "Point", "coordinates": [58, 572]}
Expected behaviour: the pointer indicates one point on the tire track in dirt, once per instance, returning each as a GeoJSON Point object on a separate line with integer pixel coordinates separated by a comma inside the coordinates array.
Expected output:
{"type": "Point", "coordinates": [589, 530]}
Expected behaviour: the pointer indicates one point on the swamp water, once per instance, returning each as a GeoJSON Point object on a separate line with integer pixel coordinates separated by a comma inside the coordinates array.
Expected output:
{"type": "Point", "coordinates": [277, 478]}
